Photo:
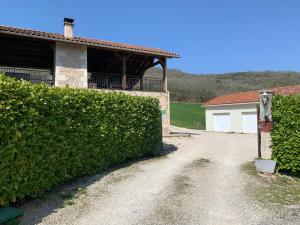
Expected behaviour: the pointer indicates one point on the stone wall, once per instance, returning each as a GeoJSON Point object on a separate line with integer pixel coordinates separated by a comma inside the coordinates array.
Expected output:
{"type": "Point", "coordinates": [164, 101]}
{"type": "Point", "coordinates": [70, 65]}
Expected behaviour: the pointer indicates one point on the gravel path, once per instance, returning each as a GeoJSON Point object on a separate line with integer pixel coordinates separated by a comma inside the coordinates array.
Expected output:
{"type": "Point", "coordinates": [199, 183]}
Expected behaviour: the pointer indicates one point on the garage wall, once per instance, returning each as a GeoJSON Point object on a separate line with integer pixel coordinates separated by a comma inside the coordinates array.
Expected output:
{"type": "Point", "coordinates": [236, 110]}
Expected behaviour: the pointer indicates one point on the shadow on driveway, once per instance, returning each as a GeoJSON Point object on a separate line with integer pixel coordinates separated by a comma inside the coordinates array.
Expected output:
{"type": "Point", "coordinates": [62, 196]}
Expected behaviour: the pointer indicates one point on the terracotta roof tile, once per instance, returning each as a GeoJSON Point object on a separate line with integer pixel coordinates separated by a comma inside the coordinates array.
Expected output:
{"type": "Point", "coordinates": [251, 96]}
{"type": "Point", "coordinates": [86, 41]}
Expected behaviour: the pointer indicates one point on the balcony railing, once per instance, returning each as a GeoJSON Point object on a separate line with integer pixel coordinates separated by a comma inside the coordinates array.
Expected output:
{"type": "Point", "coordinates": [33, 75]}
{"type": "Point", "coordinates": [96, 80]}
{"type": "Point", "coordinates": [114, 82]}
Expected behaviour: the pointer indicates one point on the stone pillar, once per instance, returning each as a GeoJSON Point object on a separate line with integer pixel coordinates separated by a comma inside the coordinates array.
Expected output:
{"type": "Point", "coordinates": [71, 65]}
{"type": "Point", "coordinates": [266, 150]}
{"type": "Point", "coordinates": [164, 101]}
{"type": "Point", "coordinates": [265, 123]}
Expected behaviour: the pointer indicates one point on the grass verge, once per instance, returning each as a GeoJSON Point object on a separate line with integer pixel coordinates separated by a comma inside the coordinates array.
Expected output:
{"type": "Point", "coordinates": [188, 115]}
{"type": "Point", "coordinates": [276, 189]}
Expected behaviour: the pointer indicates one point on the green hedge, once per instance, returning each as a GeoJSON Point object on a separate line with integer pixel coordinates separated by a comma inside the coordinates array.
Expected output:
{"type": "Point", "coordinates": [50, 135]}
{"type": "Point", "coordinates": [286, 132]}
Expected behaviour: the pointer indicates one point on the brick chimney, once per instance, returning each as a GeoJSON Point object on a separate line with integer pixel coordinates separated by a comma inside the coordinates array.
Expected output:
{"type": "Point", "coordinates": [68, 27]}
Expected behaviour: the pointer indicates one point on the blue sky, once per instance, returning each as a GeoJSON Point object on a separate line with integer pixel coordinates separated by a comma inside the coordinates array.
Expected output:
{"type": "Point", "coordinates": [212, 36]}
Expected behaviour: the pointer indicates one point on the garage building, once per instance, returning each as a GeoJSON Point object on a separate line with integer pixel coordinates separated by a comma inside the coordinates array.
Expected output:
{"type": "Point", "coordinates": [237, 112]}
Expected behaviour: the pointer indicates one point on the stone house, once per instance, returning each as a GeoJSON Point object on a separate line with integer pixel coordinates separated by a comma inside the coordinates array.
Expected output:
{"type": "Point", "coordinates": [67, 60]}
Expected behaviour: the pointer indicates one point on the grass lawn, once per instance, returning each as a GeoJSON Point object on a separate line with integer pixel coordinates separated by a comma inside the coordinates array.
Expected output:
{"type": "Point", "coordinates": [189, 115]}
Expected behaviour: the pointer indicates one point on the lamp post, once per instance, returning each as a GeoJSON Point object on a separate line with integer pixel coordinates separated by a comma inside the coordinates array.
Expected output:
{"type": "Point", "coordinates": [265, 116]}
{"type": "Point", "coordinates": [264, 165]}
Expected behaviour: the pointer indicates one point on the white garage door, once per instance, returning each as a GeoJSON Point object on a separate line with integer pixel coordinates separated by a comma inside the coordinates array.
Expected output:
{"type": "Point", "coordinates": [249, 122]}
{"type": "Point", "coordinates": [222, 122]}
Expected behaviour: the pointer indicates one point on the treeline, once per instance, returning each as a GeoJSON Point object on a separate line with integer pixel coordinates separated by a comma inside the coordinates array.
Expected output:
{"type": "Point", "coordinates": [202, 87]}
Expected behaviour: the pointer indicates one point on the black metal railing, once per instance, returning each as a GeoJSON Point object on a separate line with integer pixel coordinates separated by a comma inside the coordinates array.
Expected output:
{"type": "Point", "coordinates": [105, 81]}
{"type": "Point", "coordinates": [114, 82]}
{"type": "Point", "coordinates": [33, 75]}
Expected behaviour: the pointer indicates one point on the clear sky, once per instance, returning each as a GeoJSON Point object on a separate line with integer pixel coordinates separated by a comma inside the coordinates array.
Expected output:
{"type": "Point", "coordinates": [212, 36]}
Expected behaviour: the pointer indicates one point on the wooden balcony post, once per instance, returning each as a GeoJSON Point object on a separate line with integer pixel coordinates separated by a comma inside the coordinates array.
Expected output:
{"type": "Point", "coordinates": [142, 83]}
{"type": "Point", "coordinates": [165, 78]}
{"type": "Point", "coordinates": [124, 72]}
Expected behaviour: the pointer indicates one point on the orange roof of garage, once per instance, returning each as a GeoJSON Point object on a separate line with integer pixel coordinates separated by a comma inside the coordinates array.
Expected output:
{"type": "Point", "coordinates": [251, 96]}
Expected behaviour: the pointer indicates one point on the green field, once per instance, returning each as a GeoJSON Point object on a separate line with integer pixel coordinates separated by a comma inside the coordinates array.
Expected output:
{"type": "Point", "coordinates": [189, 115]}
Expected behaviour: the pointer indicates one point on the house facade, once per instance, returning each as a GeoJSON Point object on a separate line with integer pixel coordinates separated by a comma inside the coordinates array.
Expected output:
{"type": "Point", "coordinates": [67, 60]}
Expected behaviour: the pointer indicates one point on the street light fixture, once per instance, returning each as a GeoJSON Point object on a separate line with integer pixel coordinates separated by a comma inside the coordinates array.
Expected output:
{"type": "Point", "coordinates": [265, 101]}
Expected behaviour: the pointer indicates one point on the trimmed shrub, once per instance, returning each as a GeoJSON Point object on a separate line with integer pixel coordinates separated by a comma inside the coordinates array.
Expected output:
{"type": "Point", "coordinates": [286, 133]}
{"type": "Point", "coordinates": [51, 135]}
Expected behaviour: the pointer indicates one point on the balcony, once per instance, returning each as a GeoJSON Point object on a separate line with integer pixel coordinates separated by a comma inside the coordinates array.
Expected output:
{"type": "Point", "coordinates": [33, 75]}
{"type": "Point", "coordinates": [95, 80]}
{"type": "Point", "coordinates": [114, 82]}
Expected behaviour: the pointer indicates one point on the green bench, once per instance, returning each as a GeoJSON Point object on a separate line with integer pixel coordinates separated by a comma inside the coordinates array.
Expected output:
{"type": "Point", "coordinates": [9, 213]}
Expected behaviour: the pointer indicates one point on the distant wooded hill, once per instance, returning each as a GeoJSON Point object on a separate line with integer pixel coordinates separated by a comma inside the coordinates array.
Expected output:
{"type": "Point", "coordinates": [200, 88]}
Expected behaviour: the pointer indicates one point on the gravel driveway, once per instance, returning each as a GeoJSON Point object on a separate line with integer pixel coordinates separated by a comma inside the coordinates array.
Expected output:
{"type": "Point", "coordinates": [201, 182]}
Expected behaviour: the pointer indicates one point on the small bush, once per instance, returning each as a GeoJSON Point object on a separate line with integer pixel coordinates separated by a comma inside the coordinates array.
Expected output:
{"type": "Point", "coordinates": [286, 133]}
{"type": "Point", "coordinates": [50, 135]}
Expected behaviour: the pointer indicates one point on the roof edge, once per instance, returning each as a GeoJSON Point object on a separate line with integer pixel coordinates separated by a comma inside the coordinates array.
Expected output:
{"type": "Point", "coordinates": [76, 40]}
{"type": "Point", "coordinates": [237, 103]}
